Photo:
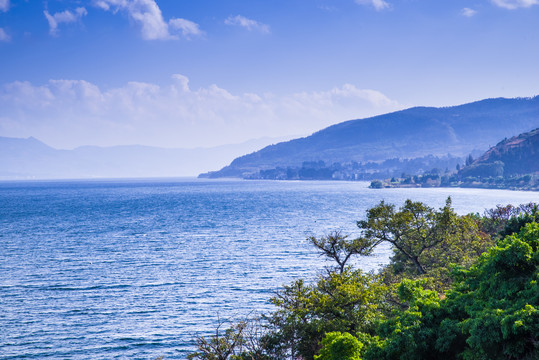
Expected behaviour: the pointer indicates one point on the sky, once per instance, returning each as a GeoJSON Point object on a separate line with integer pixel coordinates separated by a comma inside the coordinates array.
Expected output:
{"type": "Point", "coordinates": [186, 74]}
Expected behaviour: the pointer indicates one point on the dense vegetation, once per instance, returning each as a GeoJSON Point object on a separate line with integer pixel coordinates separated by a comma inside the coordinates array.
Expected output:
{"type": "Point", "coordinates": [438, 179]}
{"type": "Point", "coordinates": [319, 170]}
{"type": "Point", "coordinates": [457, 287]}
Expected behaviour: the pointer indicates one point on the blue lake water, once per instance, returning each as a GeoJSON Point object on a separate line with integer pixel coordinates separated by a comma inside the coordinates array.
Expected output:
{"type": "Point", "coordinates": [135, 269]}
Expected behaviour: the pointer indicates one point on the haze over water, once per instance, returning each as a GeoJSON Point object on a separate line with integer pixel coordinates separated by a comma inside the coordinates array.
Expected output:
{"type": "Point", "coordinates": [135, 269]}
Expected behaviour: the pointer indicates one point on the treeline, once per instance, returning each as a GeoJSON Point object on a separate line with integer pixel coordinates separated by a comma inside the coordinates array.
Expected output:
{"type": "Point", "coordinates": [461, 179]}
{"type": "Point", "coordinates": [457, 287]}
{"type": "Point", "coordinates": [320, 170]}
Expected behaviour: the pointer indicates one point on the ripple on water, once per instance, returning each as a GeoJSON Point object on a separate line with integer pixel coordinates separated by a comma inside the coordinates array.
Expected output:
{"type": "Point", "coordinates": [104, 270]}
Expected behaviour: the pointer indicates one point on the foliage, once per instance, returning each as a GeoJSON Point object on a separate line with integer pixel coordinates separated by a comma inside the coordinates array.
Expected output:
{"type": "Point", "coordinates": [347, 302]}
{"type": "Point", "coordinates": [500, 296]}
{"type": "Point", "coordinates": [483, 170]}
{"type": "Point", "coordinates": [508, 219]}
{"type": "Point", "coordinates": [409, 334]}
{"type": "Point", "coordinates": [337, 346]}
{"type": "Point", "coordinates": [240, 341]}
{"type": "Point", "coordinates": [339, 248]}
{"type": "Point", "coordinates": [221, 346]}
{"type": "Point", "coordinates": [492, 311]}
{"type": "Point", "coordinates": [426, 242]}
{"type": "Point", "coordinates": [376, 184]}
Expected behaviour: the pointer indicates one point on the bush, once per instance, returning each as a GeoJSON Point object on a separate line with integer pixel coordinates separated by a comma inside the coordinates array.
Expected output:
{"type": "Point", "coordinates": [337, 346]}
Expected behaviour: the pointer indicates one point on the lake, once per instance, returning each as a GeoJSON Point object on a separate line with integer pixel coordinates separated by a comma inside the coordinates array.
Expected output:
{"type": "Point", "coordinates": [134, 269]}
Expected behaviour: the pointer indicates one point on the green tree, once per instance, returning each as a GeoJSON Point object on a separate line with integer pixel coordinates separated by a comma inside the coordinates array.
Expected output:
{"type": "Point", "coordinates": [426, 242]}
{"type": "Point", "coordinates": [376, 184]}
{"type": "Point", "coordinates": [508, 219]}
{"type": "Point", "coordinates": [223, 345]}
{"type": "Point", "coordinates": [410, 333]}
{"type": "Point", "coordinates": [500, 296]}
{"type": "Point", "coordinates": [491, 312]}
{"type": "Point", "coordinates": [345, 302]}
{"type": "Point", "coordinates": [239, 341]}
{"type": "Point", "coordinates": [340, 249]}
{"type": "Point", "coordinates": [337, 346]}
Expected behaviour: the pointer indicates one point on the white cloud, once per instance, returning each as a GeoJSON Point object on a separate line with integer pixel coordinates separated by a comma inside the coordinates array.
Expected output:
{"type": "Point", "coordinates": [468, 12]}
{"type": "Point", "coordinates": [103, 4]}
{"type": "Point", "coordinates": [4, 5]}
{"type": "Point", "coordinates": [69, 113]}
{"type": "Point", "coordinates": [515, 4]}
{"type": "Point", "coordinates": [4, 36]}
{"type": "Point", "coordinates": [377, 4]}
{"type": "Point", "coordinates": [249, 24]}
{"type": "Point", "coordinates": [63, 17]}
{"type": "Point", "coordinates": [187, 27]}
{"type": "Point", "coordinates": [147, 14]}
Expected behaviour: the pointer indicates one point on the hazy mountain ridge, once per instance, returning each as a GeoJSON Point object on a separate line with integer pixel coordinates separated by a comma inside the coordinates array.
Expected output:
{"type": "Point", "coordinates": [30, 158]}
{"type": "Point", "coordinates": [410, 133]}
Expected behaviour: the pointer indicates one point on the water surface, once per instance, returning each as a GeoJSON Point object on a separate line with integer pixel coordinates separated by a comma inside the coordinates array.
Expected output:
{"type": "Point", "coordinates": [134, 269]}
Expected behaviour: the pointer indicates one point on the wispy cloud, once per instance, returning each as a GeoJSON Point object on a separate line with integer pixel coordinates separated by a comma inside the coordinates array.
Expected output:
{"type": "Point", "coordinates": [68, 113]}
{"type": "Point", "coordinates": [4, 5]}
{"type": "Point", "coordinates": [468, 12]}
{"type": "Point", "coordinates": [63, 17]}
{"type": "Point", "coordinates": [4, 37]}
{"type": "Point", "coordinates": [515, 4]}
{"type": "Point", "coordinates": [249, 24]}
{"type": "Point", "coordinates": [187, 28]}
{"type": "Point", "coordinates": [377, 4]}
{"type": "Point", "coordinates": [147, 14]}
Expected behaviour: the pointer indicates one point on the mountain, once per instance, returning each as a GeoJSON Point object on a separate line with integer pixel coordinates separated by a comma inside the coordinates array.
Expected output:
{"type": "Point", "coordinates": [410, 133]}
{"type": "Point", "coordinates": [32, 159]}
{"type": "Point", "coordinates": [518, 155]}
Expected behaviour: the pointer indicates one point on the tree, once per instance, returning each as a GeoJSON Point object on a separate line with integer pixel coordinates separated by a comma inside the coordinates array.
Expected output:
{"type": "Point", "coordinates": [425, 241]}
{"type": "Point", "coordinates": [339, 248]}
{"type": "Point", "coordinates": [240, 341]}
{"type": "Point", "coordinates": [491, 312]}
{"type": "Point", "coordinates": [337, 346]}
{"type": "Point", "coordinates": [508, 219]}
{"type": "Point", "coordinates": [469, 160]}
{"type": "Point", "coordinates": [345, 302]}
{"type": "Point", "coordinates": [223, 345]}
{"type": "Point", "coordinates": [500, 296]}
{"type": "Point", "coordinates": [410, 333]}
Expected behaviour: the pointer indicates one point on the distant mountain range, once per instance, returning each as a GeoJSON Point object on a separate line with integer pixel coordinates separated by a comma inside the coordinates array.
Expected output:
{"type": "Point", "coordinates": [411, 133]}
{"type": "Point", "coordinates": [32, 159]}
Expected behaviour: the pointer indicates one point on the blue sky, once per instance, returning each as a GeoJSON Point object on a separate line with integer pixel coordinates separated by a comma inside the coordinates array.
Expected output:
{"type": "Point", "coordinates": [183, 73]}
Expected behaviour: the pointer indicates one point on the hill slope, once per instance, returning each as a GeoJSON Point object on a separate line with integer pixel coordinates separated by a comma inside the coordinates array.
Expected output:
{"type": "Point", "coordinates": [515, 156]}
{"type": "Point", "coordinates": [410, 133]}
